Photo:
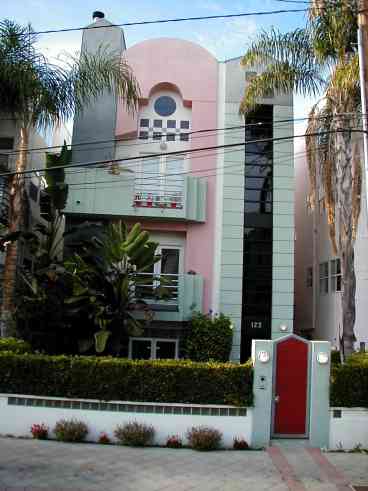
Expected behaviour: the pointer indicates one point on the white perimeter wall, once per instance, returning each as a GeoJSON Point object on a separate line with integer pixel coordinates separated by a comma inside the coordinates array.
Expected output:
{"type": "Point", "coordinates": [17, 421]}
{"type": "Point", "coordinates": [350, 430]}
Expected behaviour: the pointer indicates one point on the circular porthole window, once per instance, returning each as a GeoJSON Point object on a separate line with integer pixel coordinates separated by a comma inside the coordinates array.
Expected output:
{"type": "Point", "coordinates": [165, 106]}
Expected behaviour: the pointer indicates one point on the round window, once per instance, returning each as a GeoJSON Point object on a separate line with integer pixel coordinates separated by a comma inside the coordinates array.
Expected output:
{"type": "Point", "coordinates": [165, 106]}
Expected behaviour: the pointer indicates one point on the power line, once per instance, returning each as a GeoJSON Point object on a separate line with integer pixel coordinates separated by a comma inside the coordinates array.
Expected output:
{"type": "Point", "coordinates": [179, 152]}
{"type": "Point", "coordinates": [144, 142]}
{"type": "Point", "coordinates": [175, 19]}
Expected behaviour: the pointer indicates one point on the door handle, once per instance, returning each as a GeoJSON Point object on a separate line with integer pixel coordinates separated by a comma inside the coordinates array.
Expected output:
{"type": "Point", "coordinates": [277, 398]}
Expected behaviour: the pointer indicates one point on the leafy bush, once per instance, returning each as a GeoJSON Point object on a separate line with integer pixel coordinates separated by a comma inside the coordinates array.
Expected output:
{"type": "Point", "coordinates": [204, 438]}
{"type": "Point", "coordinates": [105, 378]}
{"type": "Point", "coordinates": [240, 444]}
{"type": "Point", "coordinates": [349, 383]}
{"type": "Point", "coordinates": [209, 338]}
{"type": "Point", "coordinates": [135, 434]}
{"type": "Point", "coordinates": [70, 431]}
{"type": "Point", "coordinates": [335, 358]}
{"type": "Point", "coordinates": [15, 345]}
{"type": "Point", "coordinates": [40, 432]}
{"type": "Point", "coordinates": [174, 441]}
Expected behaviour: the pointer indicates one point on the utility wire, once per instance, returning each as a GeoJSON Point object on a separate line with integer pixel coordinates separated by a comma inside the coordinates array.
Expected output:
{"type": "Point", "coordinates": [179, 152]}
{"type": "Point", "coordinates": [175, 19]}
{"type": "Point", "coordinates": [208, 130]}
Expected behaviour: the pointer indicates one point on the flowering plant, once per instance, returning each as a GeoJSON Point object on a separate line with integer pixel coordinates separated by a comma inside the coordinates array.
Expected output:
{"type": "Point", "coordinates": [104, 438]}
{"type": "Point", "coordinates": [40, 432]}
{"type": "Point", "coordinates": [174, 441]}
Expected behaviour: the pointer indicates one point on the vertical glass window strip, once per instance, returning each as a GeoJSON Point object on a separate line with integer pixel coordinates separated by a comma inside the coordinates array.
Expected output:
{"type": "Point", "coordinates": [309, 277]}
{"type": "Point", "coordinates": [323, 277]}
{"type": "Point", "coordinates": [336, 275]}
{"type": "Point", "coordinates": [257, 260]}
{"type": "Point", "coordinates": [174, 180]}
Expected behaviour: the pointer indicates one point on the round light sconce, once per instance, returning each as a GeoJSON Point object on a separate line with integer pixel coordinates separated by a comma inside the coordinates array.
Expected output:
{"type": "Point", "coordinates": [283, 327]}
{"type": "Point", "coordinates": [263, 356]}
{"type": "Point", "coordinates": [322, 358]}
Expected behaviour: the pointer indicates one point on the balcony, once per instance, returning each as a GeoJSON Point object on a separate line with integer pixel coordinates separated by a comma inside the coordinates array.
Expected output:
{"type": "Point", "coordinates": [96, 191]}
{"type": "Point", "coordinates": [185, 294]}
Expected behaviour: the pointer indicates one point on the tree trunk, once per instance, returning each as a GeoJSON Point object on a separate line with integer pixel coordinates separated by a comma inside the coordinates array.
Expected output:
{"type": "Point", "coordinates": [344, 201]}
{"type": "Point", "coordinates": [15, 223]}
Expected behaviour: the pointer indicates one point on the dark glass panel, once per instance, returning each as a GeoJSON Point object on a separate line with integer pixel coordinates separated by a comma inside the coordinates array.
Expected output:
{"type": "Point", "coordinates": [141, 349]}
{"type": "Point", "coordinates": [157, 123]}
{"type": "Point", "coordinates": [184, 125]}
{"type": "Point", "coordinates": [165, 349]}
{"type": "Point", "coordinates": [171, 123]}
{"type": "Point", "coordinates": [144, 122]}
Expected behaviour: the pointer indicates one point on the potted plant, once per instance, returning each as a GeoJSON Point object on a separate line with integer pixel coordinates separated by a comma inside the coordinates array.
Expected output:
{"type": "Point", "coordinates": [149, 202]}
{"type": "Point", "coordinates": [138, 199]}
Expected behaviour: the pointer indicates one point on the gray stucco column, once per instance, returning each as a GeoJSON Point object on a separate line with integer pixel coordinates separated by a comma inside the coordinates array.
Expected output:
{"type": "Point", "coordinates": [262, 389]}
{"type": "Point", "coordinates": [319, 429]}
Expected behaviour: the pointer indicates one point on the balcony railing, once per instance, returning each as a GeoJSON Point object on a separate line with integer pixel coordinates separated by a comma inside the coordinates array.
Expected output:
{"type": "Point", "coordinates": [181, 294]}
{"type": "Point", "coordinates": [156, 199]}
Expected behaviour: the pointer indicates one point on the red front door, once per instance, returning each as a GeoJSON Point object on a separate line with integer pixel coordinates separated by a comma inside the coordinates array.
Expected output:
{"type": "Point", "coordinates": [290, 414]}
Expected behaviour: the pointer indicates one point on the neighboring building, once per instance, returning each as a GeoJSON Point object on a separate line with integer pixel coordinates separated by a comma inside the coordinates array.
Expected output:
{"type": "Point", "coordinates": [37, 205]}
{"type": "Point", "coordinates": [327, 322]}
{"type": "Point", "coordinates": [224, 217]}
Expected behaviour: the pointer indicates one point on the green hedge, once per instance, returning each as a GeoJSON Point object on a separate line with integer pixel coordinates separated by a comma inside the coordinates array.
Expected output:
{"type": "Point", "coordinates": [15, 345]}
{"type": "Point", "coordinates": [106, 378]}
{"type": "Point", "coordinates": [349, 383]}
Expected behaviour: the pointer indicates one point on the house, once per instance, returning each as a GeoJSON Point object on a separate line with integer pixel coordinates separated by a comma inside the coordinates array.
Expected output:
{"type": "Point", "coordinates": [37, 203]}
{"type": "Point", "coordinates": [319, 316]}
{"type": "Point", "coordinates": [221, 210]}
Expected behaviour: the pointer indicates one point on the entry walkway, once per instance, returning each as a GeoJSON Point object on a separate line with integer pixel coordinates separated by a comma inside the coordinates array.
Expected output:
{"type": "Point", "coordinates": [31, 465]}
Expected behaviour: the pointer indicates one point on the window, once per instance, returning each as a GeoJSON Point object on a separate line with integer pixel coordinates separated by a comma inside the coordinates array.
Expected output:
{"type": "Point", "coordinates": [143, 135]}
{"type": "Point", "coordinates": [184, 125]}
{"type": "Point", "coordinates": [157, 135]}
{"type": "Point", "coordinates": [6, 143]}
{"type": "Point", "coordinates": [145, 122]}
{"type": "Point", "coordinates": [336, 275]}
{"type": "Point", "coordinates": [164, 274]}
{"type": "Point", "coordinates": [323, 277]}
{"type": "Point", "coordinates": [157, 123]}
{"type": "Point", "coordinates": [170, 137]}
{"type": "Point", "coordinates": [184, 137]}
{"type": "Point", "coordinates": [171, 123]}
{"type": "Point", "coordinates": [165, 106]}
{"type": "Point", "coordinates": [309, 277]}
{"type": "Point", "coordinates": [153, 348]}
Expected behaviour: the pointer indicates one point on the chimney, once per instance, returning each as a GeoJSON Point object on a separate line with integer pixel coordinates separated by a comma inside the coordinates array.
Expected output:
{"type": "Point", "coordinates": [97, 15]}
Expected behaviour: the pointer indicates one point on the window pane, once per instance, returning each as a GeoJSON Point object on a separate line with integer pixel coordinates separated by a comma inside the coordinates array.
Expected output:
{"type": "Point", "coordinates": [157, 136]}
{"type": "Point", "coordinates": [141, 349]}
{"type": "Point", "coordinates": [184, 137]}
{"type": "Point", "coordinates": [143, 135]}
{"type": "Point", "coordinates": [170, 261]}
{"type": "Point", "coordinates": [184, 125]}
{"type": "Point", "coordinates": [174, 179]}
{"type": "Point", "coordinates": [171, 123]}
{"type": "Point", "coordinates": [165, 106]}
{"type": "Point", "coordinates": [145, 122]}
{"type": "Point", "coordinates": [170, 137]}
{"type": "Point", "coordinates": [165, 349]}
{"type": "Point", "coordinates": [157, 123]}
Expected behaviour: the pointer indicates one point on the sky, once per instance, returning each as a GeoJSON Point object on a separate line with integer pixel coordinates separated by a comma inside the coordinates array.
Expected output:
{"type": "Point", "coordinates": [224, 38]}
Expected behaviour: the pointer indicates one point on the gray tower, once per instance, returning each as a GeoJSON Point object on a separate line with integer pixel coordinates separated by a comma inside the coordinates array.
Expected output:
{"type": "Point", "coordinates": [98, 120]}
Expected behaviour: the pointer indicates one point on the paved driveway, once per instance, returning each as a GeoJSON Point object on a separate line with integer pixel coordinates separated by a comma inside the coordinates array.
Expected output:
{"type": "Point", "coordinates": [31, 465]}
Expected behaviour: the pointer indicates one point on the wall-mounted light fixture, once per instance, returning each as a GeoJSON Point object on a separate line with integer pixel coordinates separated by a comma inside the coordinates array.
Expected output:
{"type": "Point", "coordinates": [283, 327]}
{"type": "Point", "coordinates": [263, 356]}
{"type": "Point", "coordinates": [323, 358]}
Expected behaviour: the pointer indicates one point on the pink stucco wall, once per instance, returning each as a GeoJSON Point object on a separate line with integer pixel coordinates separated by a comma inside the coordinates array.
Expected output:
{"type": "Point", "coordinates": [195, 72]}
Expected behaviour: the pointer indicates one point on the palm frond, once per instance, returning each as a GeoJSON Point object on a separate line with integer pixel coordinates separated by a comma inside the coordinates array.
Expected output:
{"type": "Point", "coordinates": [284, 78]}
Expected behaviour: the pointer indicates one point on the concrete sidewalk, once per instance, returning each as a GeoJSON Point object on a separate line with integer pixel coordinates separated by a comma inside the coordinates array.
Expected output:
{"type": "Point", "coordinates": [44, 465]}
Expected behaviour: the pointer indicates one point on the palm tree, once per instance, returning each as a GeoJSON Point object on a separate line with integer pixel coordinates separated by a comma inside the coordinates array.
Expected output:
{"type": "Point", "coordinates": [322, 59]}
{"type": "Point", "coordinates": [41, 95]}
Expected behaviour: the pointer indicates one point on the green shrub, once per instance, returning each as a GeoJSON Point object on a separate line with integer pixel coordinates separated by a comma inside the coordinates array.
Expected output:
{"type": "Point", "coordinates": [135, 434]}
{"type": "Point", "coordinates": [70, 430]}
{"type": "Point", "coordinates": [15, 345]}
{"type": "Point", "coordinates": [106, 378]}
{"type": "Point", "coordinates": [335, 358]}
{"type": "Point", "coordinates": [209, 338]}
{"type": "Point", "coordinates": [349, 383]}
{"type": "Point", "coordinates": [204, 438]}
